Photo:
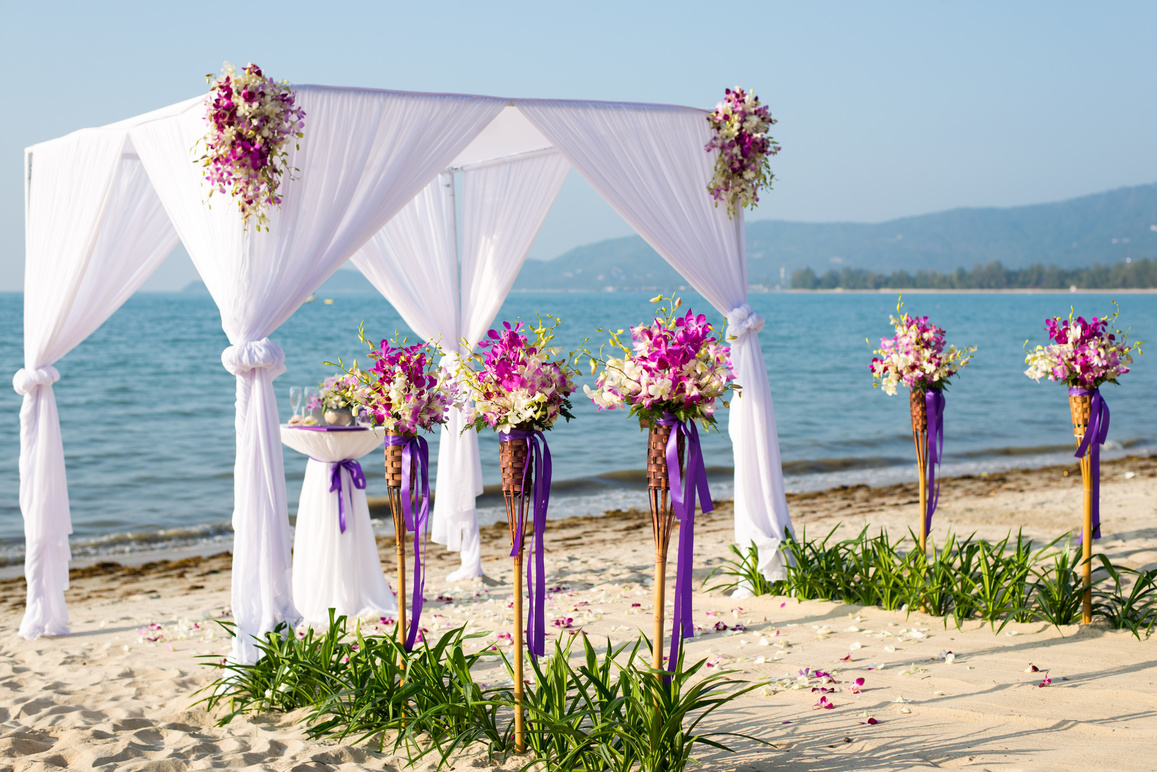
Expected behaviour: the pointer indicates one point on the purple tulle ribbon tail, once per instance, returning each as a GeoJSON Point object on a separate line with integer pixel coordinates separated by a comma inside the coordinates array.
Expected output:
{"type": "Point", "coordinates": [934, 403]}
{"type": "Point", "coordinates": [416, 511]}
{"type": "Point", "coordinates": [357, 479]}
{"type": "Point", "coordinates": [536, 566]}
{"type": "Point", "coordinates": [683, 493]}
{"type": "Point", "coordinates": [1095, 434]}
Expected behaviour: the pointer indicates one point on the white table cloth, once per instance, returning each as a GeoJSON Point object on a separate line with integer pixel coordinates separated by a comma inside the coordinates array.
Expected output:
{"type": "Point", "coordinates": [332, 569]}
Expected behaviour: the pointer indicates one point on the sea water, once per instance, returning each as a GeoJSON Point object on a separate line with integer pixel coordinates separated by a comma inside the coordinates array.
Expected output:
{"type": "Point", "coordinates": [147, 410]}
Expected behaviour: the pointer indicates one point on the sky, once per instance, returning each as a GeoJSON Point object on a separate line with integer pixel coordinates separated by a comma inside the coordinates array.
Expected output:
{"type": "Point", "coordinates": [885, 109]}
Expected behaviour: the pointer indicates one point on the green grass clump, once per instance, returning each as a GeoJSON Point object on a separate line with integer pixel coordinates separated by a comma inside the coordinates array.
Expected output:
{"type": "Point", "coordinates": [610, 713]}
{"type": "Point", "coordinates": [999, 582]}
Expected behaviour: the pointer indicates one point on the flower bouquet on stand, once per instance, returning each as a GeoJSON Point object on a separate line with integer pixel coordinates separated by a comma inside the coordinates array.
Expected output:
{"type": "Point", "coordinates": [520, 389]}
{"type": "Point", "coordinates": [405, 392]}
{"type": "Point", "coordinates": [1083, 355]}
{"type": "Point", "coordinates": [670, 378]}
{"type": "Point", "coordinates": [918, 357]}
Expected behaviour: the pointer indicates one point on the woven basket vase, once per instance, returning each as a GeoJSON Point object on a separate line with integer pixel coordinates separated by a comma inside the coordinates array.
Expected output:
{"type": "Point", "coordinates": [513, 458]}
{"type": "Point", "coordinates": [1080, 407]}
{"type": "Point", "coordinates": [394, 464]}
{"type": "Point", "coordinates": [919, 414]}
{"type": "Point", "coordinates": [658, 484]}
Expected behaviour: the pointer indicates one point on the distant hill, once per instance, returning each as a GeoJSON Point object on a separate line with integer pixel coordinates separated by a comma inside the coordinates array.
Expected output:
{"type": "Point", "coordinates": [1103, 228]}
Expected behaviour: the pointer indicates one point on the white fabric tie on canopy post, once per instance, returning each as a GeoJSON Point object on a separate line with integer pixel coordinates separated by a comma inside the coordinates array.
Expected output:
{"type": "Point", "coordinates": [413, 262]}
{"type": "Point", "coordinates": [76, 276]}
{"type": "Point", "coordinates": [648, 162]}
{"type": "Point", "coordinates": [364, 156]}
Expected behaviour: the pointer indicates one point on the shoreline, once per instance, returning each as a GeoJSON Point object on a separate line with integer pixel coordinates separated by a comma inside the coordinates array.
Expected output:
{"type": "Point", "coordinates": [855, 499]}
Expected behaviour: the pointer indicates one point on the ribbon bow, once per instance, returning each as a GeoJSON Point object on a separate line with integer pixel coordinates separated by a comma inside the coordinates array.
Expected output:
{"type": "Point", "coordinates": [536, 566]}
{"type": "Point", "coordinates": [1095, 433]}
{"type": "Point", "coordinates": [934, 404]}
{"type": "Point", "coordinates": [683, 494]}
{"type": "Point", "coordinates": [416, 511]}
{"type": "Point", "coordinates": [357, 479]}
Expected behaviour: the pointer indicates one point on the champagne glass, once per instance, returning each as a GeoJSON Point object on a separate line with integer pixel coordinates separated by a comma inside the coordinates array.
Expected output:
{"type": "Point", "coordinates": [295, 399]}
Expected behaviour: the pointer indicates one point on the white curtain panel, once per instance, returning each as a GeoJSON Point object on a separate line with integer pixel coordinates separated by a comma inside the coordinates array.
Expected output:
{"type": "Point", "coordinates": [648, 162]}
{"type": "Point", "coordinates": [95, 230]}
{"type": "Point", "coordinates": [413, 262]}
{"type": "Point", "coordinates": [364, 156]}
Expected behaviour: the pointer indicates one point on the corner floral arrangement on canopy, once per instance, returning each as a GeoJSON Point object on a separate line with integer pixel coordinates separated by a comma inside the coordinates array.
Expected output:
{"type": "Point", "coordinates": [520, 387]}
{"type": "Point", "coordinates": [405, 392]}
{"type": "Point", "coordinates": [741, 125]}
{"type": "Point", "coordinates": [1084, 355]}
{"type": "Point", "coordinates": [670, 378]}
{"type": "Point", "coordinates": [918, 356]}
{"type": "Point", "coordinates": [251, 120]}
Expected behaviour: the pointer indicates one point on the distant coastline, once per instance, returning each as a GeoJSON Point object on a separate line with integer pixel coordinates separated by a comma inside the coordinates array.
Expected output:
{"type": "Point", "coordinates": [1128, 274]}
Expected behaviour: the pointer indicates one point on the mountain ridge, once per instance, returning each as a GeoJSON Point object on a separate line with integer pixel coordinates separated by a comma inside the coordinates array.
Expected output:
{"type": "Point", "coordinates": [1101, 228]}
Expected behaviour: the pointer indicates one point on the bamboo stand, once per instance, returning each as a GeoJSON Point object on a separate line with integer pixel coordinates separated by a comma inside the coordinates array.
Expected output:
{"type": "Point", "coordinates": [662, 522]}
{"type": "Point", "coordinates": [920, 437]}
{"type": "Point", "coordinates": [1080, 408]}
{"type": "Point", "coordinates": [514, 458]}
{"type": "Point", "coordinates": [394, 491]}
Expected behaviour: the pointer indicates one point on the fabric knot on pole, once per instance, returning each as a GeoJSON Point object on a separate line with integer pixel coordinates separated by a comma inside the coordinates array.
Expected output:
{"type": "Point", "coordinates": [28, 381]}
{"type": "Point", "coordinates": [742, 320]}
{"type": "Point", "coordinates": [254, 355]}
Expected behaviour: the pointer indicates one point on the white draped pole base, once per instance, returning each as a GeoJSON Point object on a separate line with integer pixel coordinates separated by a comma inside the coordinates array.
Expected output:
{"type": "Point", "coordinates": [454, 519]}
{"type": "Point", "coordinates": [761, 515]}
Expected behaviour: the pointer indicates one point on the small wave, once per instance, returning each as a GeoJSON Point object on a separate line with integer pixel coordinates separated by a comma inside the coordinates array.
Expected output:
{"type": "Point", "coordinates": [831, 465]}
{"type": "Point", "coordinates": [131, 542]}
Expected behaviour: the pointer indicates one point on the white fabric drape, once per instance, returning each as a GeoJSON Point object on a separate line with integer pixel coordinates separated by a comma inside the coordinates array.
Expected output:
{"type": "Point", "coordinates": [648, 162]}
{"type": "Point", "coordinates": [364, 156]}
{"type": "Point", "coordinates": [94, 231]}
{"type": "Point", "coordinates": [413, 263]}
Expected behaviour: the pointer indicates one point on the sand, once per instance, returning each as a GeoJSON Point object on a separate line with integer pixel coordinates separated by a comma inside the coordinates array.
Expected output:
{"type": "Point", "coordinates": [119, 692]}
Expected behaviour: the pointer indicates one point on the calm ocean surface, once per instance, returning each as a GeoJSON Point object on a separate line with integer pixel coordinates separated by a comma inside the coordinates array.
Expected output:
{"type": "Point", "coordinates": [147, 410]}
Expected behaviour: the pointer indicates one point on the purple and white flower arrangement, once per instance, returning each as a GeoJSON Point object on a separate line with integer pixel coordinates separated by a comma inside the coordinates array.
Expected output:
{"type": "Point", "coordinates": [675, 366]}
{"type": "Point", "coordinates": [514, 381]}
{"type": "Point", "coordinates": [1082, 354]}
{"type": "Point", "coordinates": [341, 392]}
{"type": "Point", "coordinates": [251, 120]}
{"type": "Point", "coordinates": [405, 391]}
{"type": "Point", "coordinates": [741, 125]}
{"type": "Point", "coordinates": [917, 356]}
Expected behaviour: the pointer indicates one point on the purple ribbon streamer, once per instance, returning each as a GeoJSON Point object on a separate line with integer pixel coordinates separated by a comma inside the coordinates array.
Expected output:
{"type": "Point", "coordinates": [683, 494]}
{"type": "Point", "coordinates": [536, 566]}
{"type": "Point", "coordinates": [416, 517]}
{"type": "Point", "coordinates": [357, 479]}
{"type": "Point", "coordinates": [1095, 434]}
{"type": "Point", "coordinates": [934, 404]}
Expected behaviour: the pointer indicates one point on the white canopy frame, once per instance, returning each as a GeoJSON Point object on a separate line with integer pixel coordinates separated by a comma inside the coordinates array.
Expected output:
{"type": "Point", "coordinates": [365, 156]}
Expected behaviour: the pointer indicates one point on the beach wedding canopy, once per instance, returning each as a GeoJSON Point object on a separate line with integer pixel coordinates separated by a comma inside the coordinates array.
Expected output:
{"type": "Point", "coordinates": [374, 183]}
